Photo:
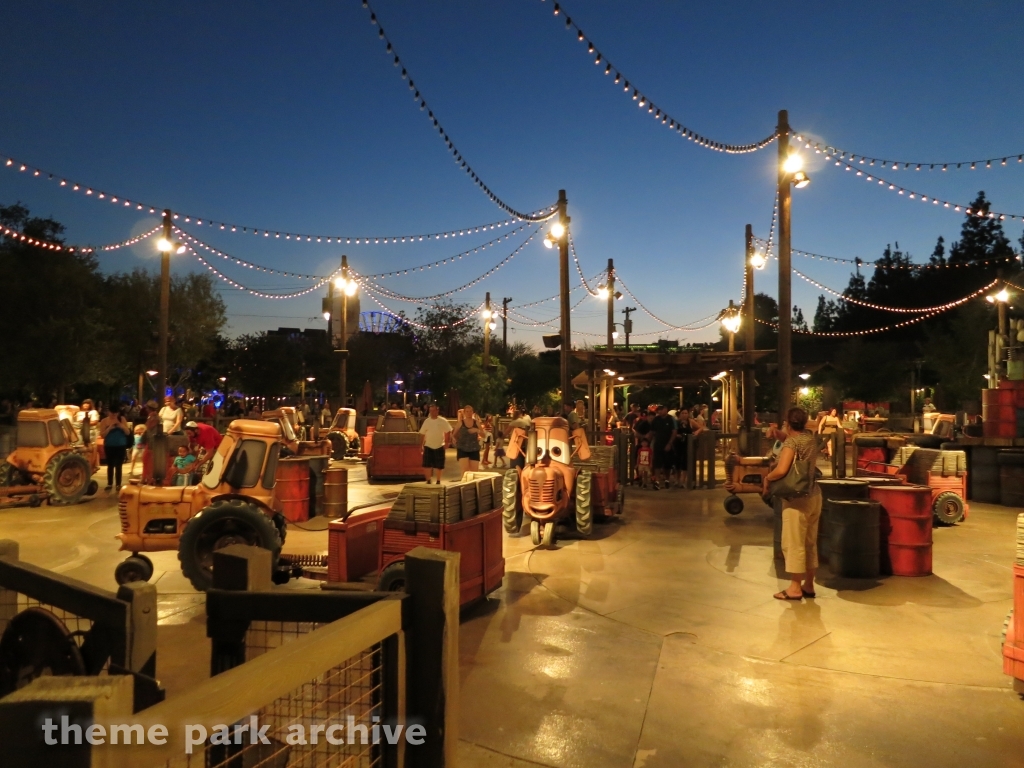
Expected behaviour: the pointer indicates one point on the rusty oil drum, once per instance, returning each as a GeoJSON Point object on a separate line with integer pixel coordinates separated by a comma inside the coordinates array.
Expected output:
{"type": "Point", "coordinates": [292, 488]}
{"type": "Point", "coordinates": [905, 528]}
{"type": "Point", "coordinates": [335, 492]}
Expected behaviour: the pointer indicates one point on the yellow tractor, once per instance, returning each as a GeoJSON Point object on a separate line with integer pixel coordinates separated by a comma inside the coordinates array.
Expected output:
{"type": "Point", "coordinates": [343, 436]}
{"type": "Point", "coordinates": [50, 461]}
{"type": "Point", "coordinates": [234, 503]}
{"type": "Point", "coordinates": [549, 488]}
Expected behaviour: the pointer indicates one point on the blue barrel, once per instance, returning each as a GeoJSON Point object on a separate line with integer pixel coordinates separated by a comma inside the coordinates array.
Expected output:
{"type": "Point", "coordinates": [832, 490]}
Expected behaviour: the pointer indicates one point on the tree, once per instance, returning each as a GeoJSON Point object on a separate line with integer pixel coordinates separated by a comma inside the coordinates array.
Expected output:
{"type": "Point", "coordinates": [533, 377]}
{"type": "Point", "coordinates": [825, 315]}
{"type": "Point", "coordinates": [53, 311]}
{"type": "Point", "coordinates": [957, 351]}
{"type": "Point", "coordinates": [266, 364]}
{"type": "Point", "coordinates": [799, 324]}
{"type": "Point", "coordinates": [485, 391]}
{"type": "Point", "coordinates": [446, 344]}
{"type": "Point", "coordinates": [981, 237]}
{"type": "Point", "coordinates": [867, 371]}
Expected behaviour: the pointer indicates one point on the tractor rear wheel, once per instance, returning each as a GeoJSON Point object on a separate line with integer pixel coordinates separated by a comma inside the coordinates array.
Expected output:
{"type": "Point", "coordinates": [67, 478]}
{"type": "Point", "coordinates": [584, 504]}
{"type": "Point", "coordinates": [948, 508]}
{"type": "Point", "coordinates": [339, 445]}
{"type": "Point", "coordinates": [511, 502]}
{"type": "Point", "coordinates": [11, 475]}
{"type": "Point", "coordinates": [219, 525]}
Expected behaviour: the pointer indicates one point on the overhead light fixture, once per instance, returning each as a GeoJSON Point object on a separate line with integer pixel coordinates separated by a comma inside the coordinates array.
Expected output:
{"type": "Point", "coordinates": [720, 376]}
{"type": "Point", "coordinates": [602, 292]}
{"type": "Point", "coordinates": [548, 243]}
{"type": "Point", "coordinates": [615, 334]}
{"type": "Point", "coordinates": [805, 376]}
{"type": "Point", "coordinates": [492, 325]}
{"type": "Point", "coordinates": [758, 260]}
{"type": "Point", "coordinates": [801, 179]}
{"type": "Point", "coordinates": [163, 245]}
{"type": "Point", "coordinates": [152, 373]}
{"type": "Point", "coordinates": [557, 230]}
{"type": "Point", "coordinates": [327, 316]}
{"type": "Point", "coordinates": [793, 163]}
{"type": "Point", "coordinates": [805, 390]}
{"type": "Point", "coordinates": [622, 378]}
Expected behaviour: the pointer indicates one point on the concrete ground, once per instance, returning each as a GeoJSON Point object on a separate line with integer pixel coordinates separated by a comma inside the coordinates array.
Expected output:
{"type": "Point", "coordinates": [658, 643]}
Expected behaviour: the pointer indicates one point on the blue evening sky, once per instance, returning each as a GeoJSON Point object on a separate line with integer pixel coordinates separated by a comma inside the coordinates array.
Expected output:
{"type": "Point", "coordinates": [292, 117]}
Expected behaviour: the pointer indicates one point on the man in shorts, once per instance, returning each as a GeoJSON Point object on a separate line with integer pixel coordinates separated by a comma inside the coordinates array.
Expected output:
{"type": "Point", "coordinates": [663, 429]}
{"type": "Point", "coordinates": [436, 436]}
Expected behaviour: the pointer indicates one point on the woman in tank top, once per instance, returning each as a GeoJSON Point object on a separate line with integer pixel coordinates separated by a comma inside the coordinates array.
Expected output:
{"type": "Point", "coordinates": [467, 440]}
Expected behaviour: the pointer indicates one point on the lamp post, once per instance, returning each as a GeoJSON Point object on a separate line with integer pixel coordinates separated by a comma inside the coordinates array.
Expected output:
{"type": "Point", "coordinates": [165, 245]}
{"type": "Point", "coordinates": [488, 325]}
{"type": "Point", "coordinates": [504, 327]}
{"type": "Point", "coordinates": [346, 287]}
{"type": "Point", "coordinates": [1001, 298]}
{"type": "Point", "coordinates": [731, 321]}
{"type": "Point", "coordinates": [559, 235]}
{"type": "Point", "coordinates": [790, 173]}
{"type": "Point", "coordinates": [608, 293]}
{"type": "Point", "coordinates": [627, 324]}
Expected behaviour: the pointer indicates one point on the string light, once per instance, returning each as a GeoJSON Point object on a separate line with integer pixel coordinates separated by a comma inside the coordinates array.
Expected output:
{"type": "Point", "coordinates": [894, 165]}
{"type": "Point", "coordinates": [579, 269]}
{"type": "Point", "coordinates": [241, 262]}
{"type": "Point", "coordinates": [472, 313]}
{"type": "Point", "coordinates": [869, 177]}
{"type": "Point", "coordinates": [687, 327]}
{"type": "Point", "coordinates": [654, 111]}
{"type": "Point", "coordinates": [18, 166]}
{"type": "Point", "coordinates": [858, 262]}
{"type": "Point", "coordinates": [254, 292]}
{"type": "Point", "coordinates": [451, 259]}
{"type": "Point", "coordinates": [903, 310]}
{"type": "Point", "coordinates": [459, 159]}
{"type": "Point", "coordinates": [21, 237]}
{"type": "Point", "coordinates": [421, 299]}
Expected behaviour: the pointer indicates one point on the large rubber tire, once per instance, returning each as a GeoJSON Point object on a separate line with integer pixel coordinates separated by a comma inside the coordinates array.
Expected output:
{"type": "Point", "coordinates": [9, 475]}
{"type": "Point", "coordinates": [948, 508]}
{"type": "Point", "coordinates": [392, 578]}
{"type": "Point", "coordinates": [339, 445]}
{"type": "Point", "coordinates": [733, 504]}
{"type": "Point", "coordinates": [223, 523]}
{"type": "Point", "coordinates": [67, 478]}
{"type": "Point", "coordinates": [511, 502]}
{"type": "Point", "coordinates": [584, 504]}
{"type": "Point", "coordinates": [132, 569]}
{"type": "Point", "coordinates": [148, 562]}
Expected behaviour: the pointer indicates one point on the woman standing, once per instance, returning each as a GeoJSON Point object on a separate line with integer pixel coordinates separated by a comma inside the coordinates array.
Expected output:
{"type": "Point", "coordinates": [171, 416]}
{"type": "Point", "coordinates": [467, 440]}
{"type": "Point", "coordinates": [800, 514]}
{"type": "Point", "coordinates": [687, 426]}
{"type": "Point", "coordinates": [117, 438]}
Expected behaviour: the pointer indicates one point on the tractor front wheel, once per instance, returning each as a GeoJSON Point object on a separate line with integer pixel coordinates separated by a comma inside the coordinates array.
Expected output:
{"type": "Point", "coordinates": [547, 538]}
{"type": "Point", "coordinates": [535, 533]}
{"type": "Point", "coordinates": [339, 445]}
{"type": "Point", "coordinates": [67, 478]}
{"type": "Point", "coordinates": [392, 578]}
{"type": "Point", "coordinates": [733, 504]}
{"type": "Point", "coordinates": [584, 504]}
{"type": "Point", "coordinates": [133, 569]}
{"type": "Point", "coordinates": [948, 508]}
{"type": "Point", "coordinates": [511, 502]}
{"type": "Point", "coordinates": [219, 525]}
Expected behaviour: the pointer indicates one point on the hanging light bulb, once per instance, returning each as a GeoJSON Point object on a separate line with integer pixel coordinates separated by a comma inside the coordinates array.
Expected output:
{"type": "Point", "coordinates": [757, 260]}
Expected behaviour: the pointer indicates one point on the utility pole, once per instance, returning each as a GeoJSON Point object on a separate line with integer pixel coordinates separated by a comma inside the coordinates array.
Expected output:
{"type": "Point", "coordinates": [748, 334]}
{"type": "Point", "coordinates": [785, 351]}
{"type": "Point", "coordinates": [343, 367]}
{"type": "Point", "coordinates": [611, 305]}
{"type": "Point", "coordinates": [487, 333]}
{"type": "Point", "coordinates": [504, 327]}
{"type": "Point", "coordinates": [165, 302]}
{"type": "Point", "coordinates": [562, 223]}
{"type": "Point", "coordinates": [627, 325]}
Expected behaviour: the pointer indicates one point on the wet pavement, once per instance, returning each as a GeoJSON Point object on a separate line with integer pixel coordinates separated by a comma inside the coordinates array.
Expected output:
{"type": "Point", "coordinates": [658, 643]}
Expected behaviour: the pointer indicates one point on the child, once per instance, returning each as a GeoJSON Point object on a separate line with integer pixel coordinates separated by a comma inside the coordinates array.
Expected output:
{"type": "Point", "coordinates": [499, 452]}
{"type": "Point", "coordinates": [643, 463]}
{"type": "Point", "coordinates": [183, 466]}
{"type": "Point", "coordinates": [138, 448]}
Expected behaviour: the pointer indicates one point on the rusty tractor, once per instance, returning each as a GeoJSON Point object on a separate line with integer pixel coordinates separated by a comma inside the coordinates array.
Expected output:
{"type": "Point", "coordinates": [234, 503]}
{"type": "Point", "coordinates": [549, 488]}
{"type": "Point", "coordinates": [342, 433]}
{"type": "Point", "coordinates": [50, 461]}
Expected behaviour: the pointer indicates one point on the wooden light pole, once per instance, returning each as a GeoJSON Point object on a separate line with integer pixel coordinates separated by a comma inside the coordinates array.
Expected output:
{"type": "Point", "coordinates": [165, 301]}
{"type": "Point", "coordinates": [563, 219]}
{"type": "Point", "coordinates": [748, 334]}
{"type": "Point", "coordinates": [627, 324]}
{"type": "Point", "coordinates": [785, 349]}
{"type": "Point", "coordinates": [487, 333]}
{"type": "Point", "coordinates": [504, 327]}
{"type": "Point", "coordinates": [611, 305]}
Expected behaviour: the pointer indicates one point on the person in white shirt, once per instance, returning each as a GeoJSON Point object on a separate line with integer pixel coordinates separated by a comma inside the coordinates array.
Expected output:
{"type": "Point", "coordinates": [436, 436]}
{"type": "Point", "coordinates": [171, 416]}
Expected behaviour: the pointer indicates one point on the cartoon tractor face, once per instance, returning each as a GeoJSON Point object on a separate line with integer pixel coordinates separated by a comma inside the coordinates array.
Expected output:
{"type": "Point", "coordinates": [548, 488]}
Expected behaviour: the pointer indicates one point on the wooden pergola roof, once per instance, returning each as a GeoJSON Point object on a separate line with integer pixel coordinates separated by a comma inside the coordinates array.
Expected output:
{"type": "Point", "coordinates": [662, 368]}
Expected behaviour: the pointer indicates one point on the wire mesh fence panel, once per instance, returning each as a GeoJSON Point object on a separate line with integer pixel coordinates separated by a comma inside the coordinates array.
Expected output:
{"type": "Point", "coordinates": [326, 722]}
{"type": "Point", "coordinates": [264, 636]}
{"type": "Point", "coordinates": [77, 626]}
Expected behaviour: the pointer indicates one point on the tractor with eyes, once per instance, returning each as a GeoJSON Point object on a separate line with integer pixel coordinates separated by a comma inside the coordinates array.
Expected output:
{"type": "Point", "coordinates": [234, 503]}
{"type": "Point", "coordinates": [49, 462]}
{"type": "Point", "coordinates": [549, 489]}
{"type": "Point", "coordinates": [342, 433]}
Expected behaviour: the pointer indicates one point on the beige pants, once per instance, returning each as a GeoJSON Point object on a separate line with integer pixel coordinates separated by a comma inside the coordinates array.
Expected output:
{"type": "Point", "coordinates": [800, 516]}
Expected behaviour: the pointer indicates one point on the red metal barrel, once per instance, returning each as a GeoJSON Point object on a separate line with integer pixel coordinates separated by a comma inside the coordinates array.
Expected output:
{"type": "Point", "coordinates": [906, 528]}
{"type": "Point", "coordinates": [336, 492]}
{"type": "Point", "coordinates": [292, 489]}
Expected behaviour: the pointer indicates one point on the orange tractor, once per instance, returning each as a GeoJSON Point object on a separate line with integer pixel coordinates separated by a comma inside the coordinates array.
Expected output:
{"type": "Point", "coordinates": [343, 436]}
{"type": "Point", "coordinates": [234, 503]}
{"type": "Point", "coordinates": [549, 488]}
{"type": "Point", "coordinates": [50, 461]}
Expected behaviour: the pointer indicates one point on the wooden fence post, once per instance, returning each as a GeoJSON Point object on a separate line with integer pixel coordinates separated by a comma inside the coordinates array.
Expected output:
{"type": "Point", "coordinates": [432, 691]}
{"type": "Point", "coordinates": [240, 568]}
{"type": "Point", "coordinates": [84, 701]}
